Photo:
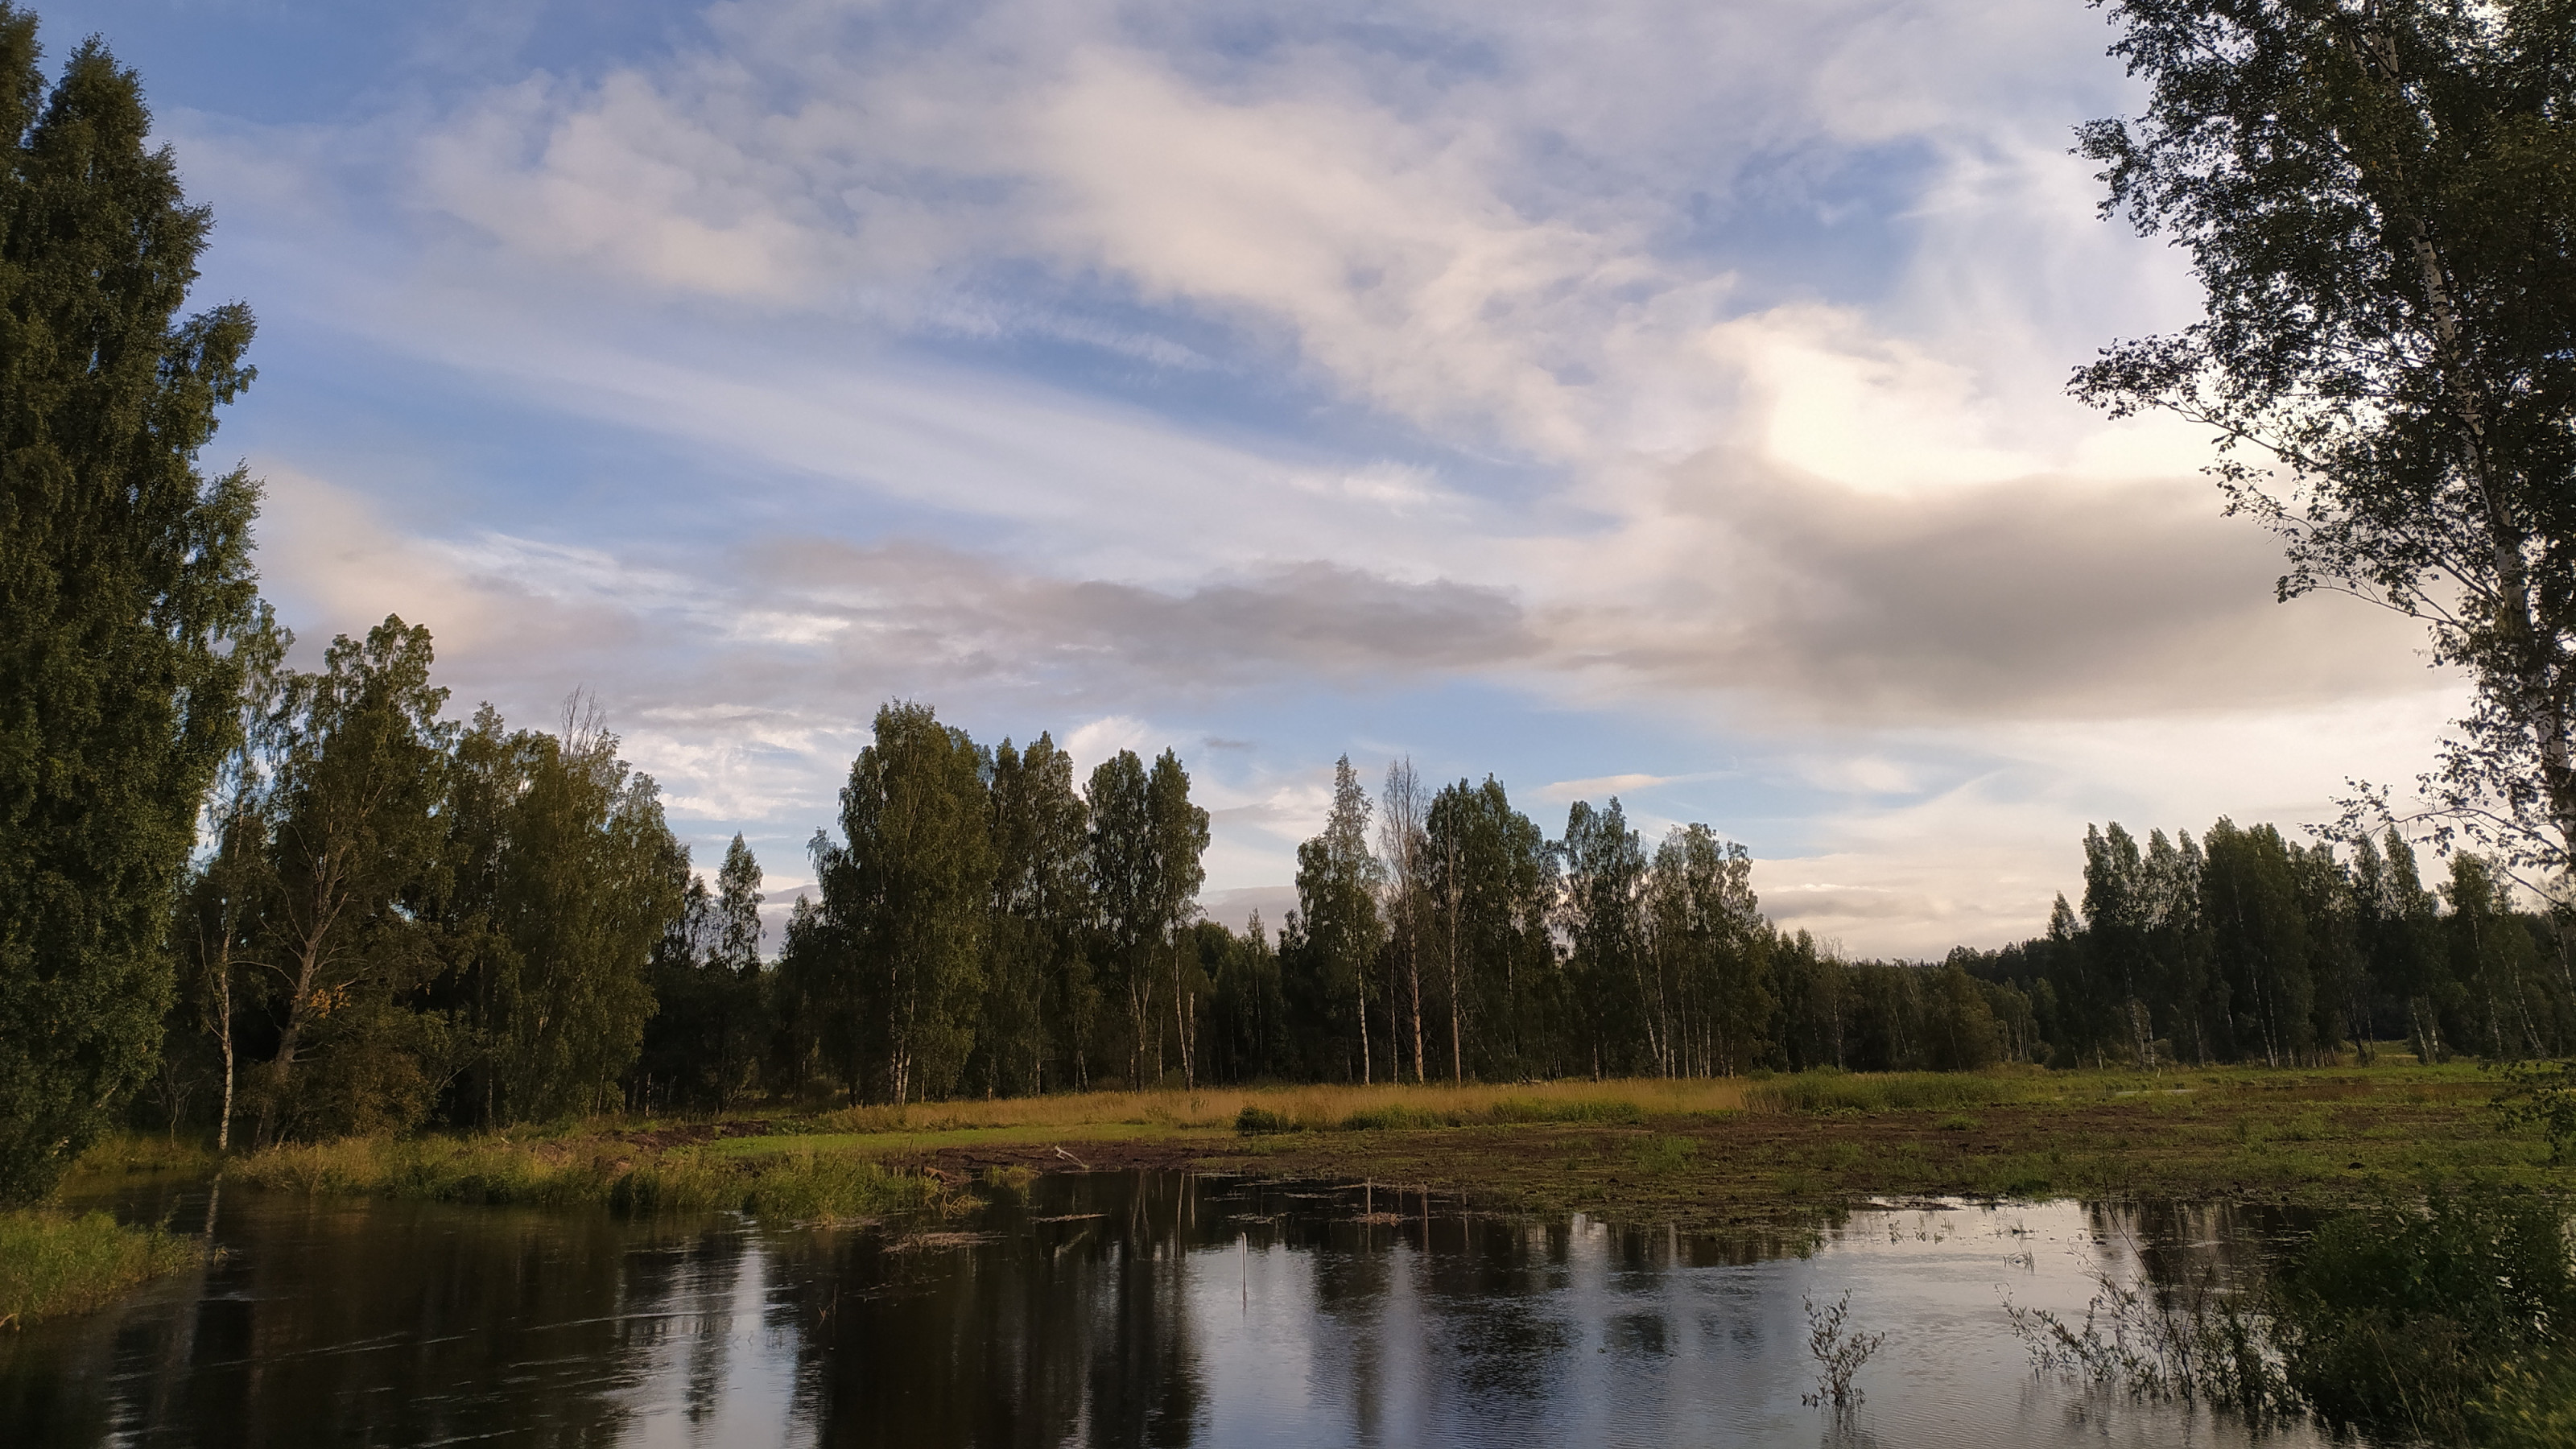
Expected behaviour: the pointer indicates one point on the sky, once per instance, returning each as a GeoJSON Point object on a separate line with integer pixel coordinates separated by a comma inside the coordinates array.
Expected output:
{"type": "Point", "coordinates": [1652, 400]}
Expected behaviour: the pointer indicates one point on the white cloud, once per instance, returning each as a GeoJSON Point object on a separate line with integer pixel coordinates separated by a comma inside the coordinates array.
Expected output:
{"type": "Point", "coordinates": [1676, 370]}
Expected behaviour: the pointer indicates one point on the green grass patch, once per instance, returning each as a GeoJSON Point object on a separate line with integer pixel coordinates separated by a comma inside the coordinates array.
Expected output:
{"type": "Point", "coordinates": [1665, 1154]}
{"type": "Point", "coordinates": [1393, 1118]}
{"type": "Point", "coordinates": [1593, 1109]}
{"type": "Point", "coordinates": [795, 1182]}
{"type": "Point", "coordinates": [1871, 1093]}
{"type": "Point", "coordinates": [52, 1264]}
{"type": "Point", "coordinates": [1262, 1122]}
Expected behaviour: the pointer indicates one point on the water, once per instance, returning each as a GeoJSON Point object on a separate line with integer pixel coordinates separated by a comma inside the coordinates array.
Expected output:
{"type": "Point", "coordinates": [1110, 1308]}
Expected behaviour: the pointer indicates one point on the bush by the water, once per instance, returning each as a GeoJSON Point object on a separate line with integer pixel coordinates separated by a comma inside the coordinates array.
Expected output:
{"type": "Point", "coordinates": [2438, 1324]}
{"type": "Point", "coordinates": [2449, 1322]}
{"type": "Point", "coordinates": [54, 1263]}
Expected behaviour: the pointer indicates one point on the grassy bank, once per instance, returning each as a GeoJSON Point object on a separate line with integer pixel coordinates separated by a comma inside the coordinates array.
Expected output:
{"type": "Point", "coordinates": [52, 1263]}
{"type": "Point", "coordinates": [1801, 1145]}
{"type": "Point", "coordinates": [628, 1172]}
{"type": "Point", "coordinates": [1696, 1153]}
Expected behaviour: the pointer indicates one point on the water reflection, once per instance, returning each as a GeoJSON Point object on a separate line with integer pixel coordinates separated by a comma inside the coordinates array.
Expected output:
{"type": "Point", "coordinates": [1106, 1309]}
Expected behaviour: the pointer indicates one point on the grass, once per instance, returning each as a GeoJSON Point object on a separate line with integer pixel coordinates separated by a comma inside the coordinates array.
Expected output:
{"type": "Point", "coordinates": [53, 1263]}
{"type": "Point", "coordinates": [788, 1186]}
{"type": "Point", "coordinates": [1712, 1154]}
{"type": "Point", "coordinates": [1100, 1115]}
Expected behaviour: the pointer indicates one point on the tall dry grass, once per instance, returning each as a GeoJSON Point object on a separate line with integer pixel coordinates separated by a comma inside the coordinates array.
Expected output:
{"type": "Point", "coordinates": [1313, 1107]}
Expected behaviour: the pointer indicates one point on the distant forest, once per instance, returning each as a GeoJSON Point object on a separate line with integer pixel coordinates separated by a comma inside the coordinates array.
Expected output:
{"type": "Point", "coordinates": [404, 920]}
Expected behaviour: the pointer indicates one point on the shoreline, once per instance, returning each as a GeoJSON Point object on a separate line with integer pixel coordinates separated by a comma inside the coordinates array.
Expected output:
{"type": "Point", "coordinates": [1699, 1156]}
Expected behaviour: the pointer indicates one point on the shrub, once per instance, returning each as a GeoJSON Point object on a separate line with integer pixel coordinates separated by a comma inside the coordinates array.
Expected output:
{"type": "Point", "coordinates": [2401, 1320]}
{"type": "Point", "coordinates": [1666, 1154]}
{"type": "Point", "coordinates": [1261, 1122]}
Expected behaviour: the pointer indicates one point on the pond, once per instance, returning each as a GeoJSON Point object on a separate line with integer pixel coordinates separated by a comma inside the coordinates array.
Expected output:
{"type": "Point", "coordinates": [1103, 1308]}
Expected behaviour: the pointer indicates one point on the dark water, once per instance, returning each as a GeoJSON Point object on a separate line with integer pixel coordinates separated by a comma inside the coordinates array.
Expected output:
{"type": "Point", "coordinates": [1108, 1309]}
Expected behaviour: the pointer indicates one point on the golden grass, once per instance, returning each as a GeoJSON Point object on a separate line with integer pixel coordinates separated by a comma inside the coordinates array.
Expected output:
{"type": "Point", "coordinates": [1313, 1107]}
{"type": "Point", "coordinates": [797, 1184]}
{"type": "Point", "coordinates": [54, 1263]}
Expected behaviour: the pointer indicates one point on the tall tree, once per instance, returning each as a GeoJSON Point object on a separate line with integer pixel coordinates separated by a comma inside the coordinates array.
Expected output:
{"type": "Point", "coordinates": [1708, 930]}
{"type": "Point", "coordinates": [1336, 931]}
{"type": "Point", "coordinates": [2118, 917]}
{"type": "Point", "coordinates": [1044, 1000]}
{"type": "Point", "coordinates": [2379, 200]}
{"type": "Point", "coordinates": [590, 882]}
{"type": "Point", "coordinates": [2403, 943]}
{"type": "Point", "coordinates": [2509, 1013]}
{"type": "Point", "coordinates": [2324, 893]}
{"type": "Point", "coordinates": [1493, 883]}
{"type": "Point", "coordinates": [1125, 892]}
{"type": "Point", "coordinates": [362, 773]}
{"type": "Point", "coordinates": [2259, 941]}
{"type": "Point", "coordinates": [1604, 920]}
{"type": "Point", "coordinates": [219, 917]}
{"type": "Point", "coordinates": [1403, 845]}
{"type": "Point", "coordinates": [124, 575]}
{"type": "Point", "coordinates": [1180, 842]}
{"type": "Point", "coordinates": [908, 894]}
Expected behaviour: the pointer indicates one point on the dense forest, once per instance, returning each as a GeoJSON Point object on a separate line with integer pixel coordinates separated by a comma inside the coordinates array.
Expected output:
{"type": "Point", "coordinates": [401, 920]}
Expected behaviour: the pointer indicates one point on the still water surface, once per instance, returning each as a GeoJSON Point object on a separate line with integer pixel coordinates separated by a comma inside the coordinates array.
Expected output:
{"type": "Point", "coordinates": [1105, 1309]}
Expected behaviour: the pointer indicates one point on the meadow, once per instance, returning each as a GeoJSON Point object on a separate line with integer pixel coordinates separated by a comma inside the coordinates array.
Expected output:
{"type": "Point", "coordinates": [1701, 1154]}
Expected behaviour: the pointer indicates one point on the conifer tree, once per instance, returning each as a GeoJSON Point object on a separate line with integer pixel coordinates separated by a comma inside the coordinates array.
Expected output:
{"type": "Point", "coordinates": [124, 575]}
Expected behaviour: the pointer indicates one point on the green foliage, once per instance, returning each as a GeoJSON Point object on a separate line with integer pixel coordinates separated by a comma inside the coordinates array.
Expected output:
{"type": "Point", "coordinates": [1255, 1121]}
{"type": "Point", "coordinates": [2379, 201]}
{"type": "Point", "coordinates": [587, 888]}
{"type": "Point", "coordinates": [2543, 1095]}
{"type": "Point", "coordinates": [1894, 1092]}
{"type": "Point", "coordinates": [124, 576]}
{"type": "Point", "coordinates": [786, 1187]}
{"type": "Point", "coordinates": [361, 771]}
{"type": "Point", "coordinates": [1041, 1004]}
{"type": "Point", "coordinates": [1665, 1154]}
{"type": "Point", "coordinates": [2405, 1321]}
{"type": "Point", "coordinates": [54, 1264]}
{"type": "Point", "coordinates": [2198, 1344]}
{"type": "Point", "coordinates": [1334, 935]}
{"type": "Point", "coordinates": [898, 952]}
{"type": "Point", "coordinates": [1394, 1117]}
{"type": "Point", "coordinates": [1489, 880]}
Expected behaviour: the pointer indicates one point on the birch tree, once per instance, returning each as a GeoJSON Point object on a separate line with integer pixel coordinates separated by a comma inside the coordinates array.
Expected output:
{"type": "Point", "coordinates": [2379, 200]}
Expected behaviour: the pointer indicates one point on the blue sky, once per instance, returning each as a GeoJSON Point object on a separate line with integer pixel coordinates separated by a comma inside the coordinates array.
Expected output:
{"type": "Point", "coordinates": [1651, 399]}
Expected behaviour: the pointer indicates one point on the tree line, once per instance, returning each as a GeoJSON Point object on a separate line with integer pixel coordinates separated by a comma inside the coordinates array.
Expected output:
{"type": "Point", "coordinates": [401, 920]}
{"type": "Point", "coordinates": [2248, 947]}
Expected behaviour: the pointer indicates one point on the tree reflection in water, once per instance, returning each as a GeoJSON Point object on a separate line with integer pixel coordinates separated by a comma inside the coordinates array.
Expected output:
{"type": "Point", "coordinates": [1101, 1309]}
